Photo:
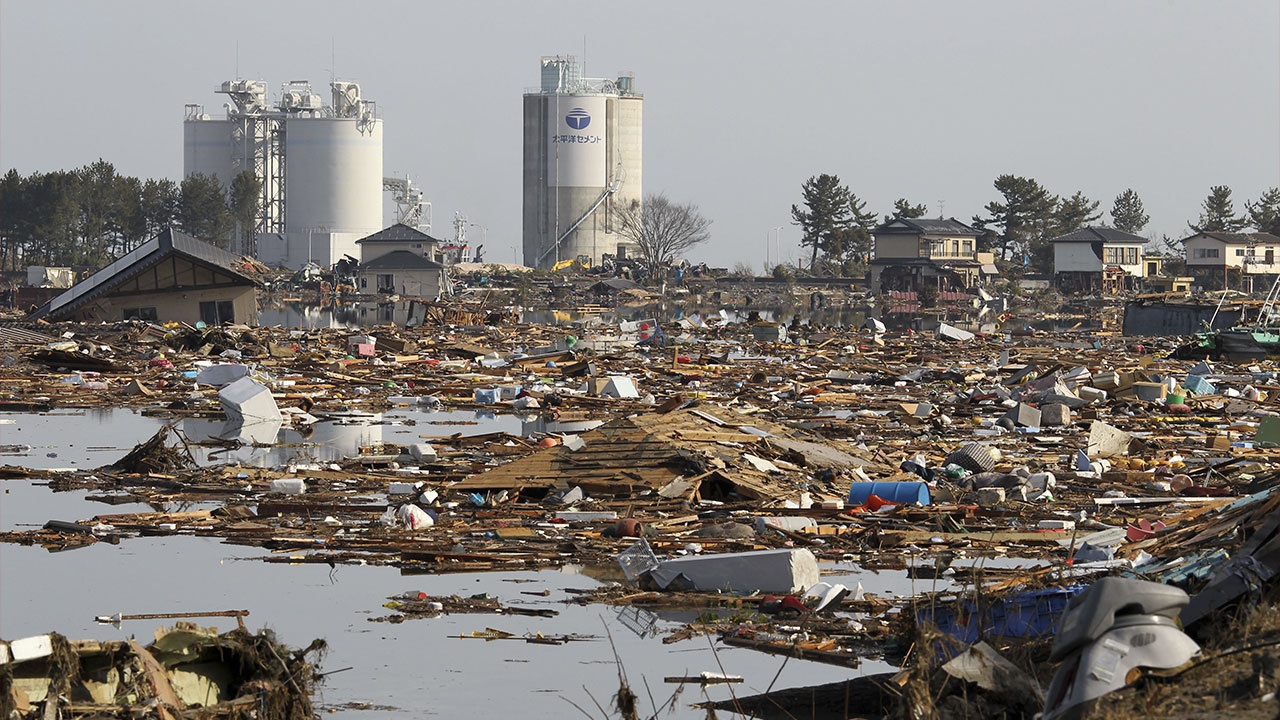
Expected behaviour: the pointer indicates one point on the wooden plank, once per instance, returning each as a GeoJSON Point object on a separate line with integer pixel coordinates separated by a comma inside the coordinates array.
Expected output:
{"type": "Point", "coordinates": [170, 706]}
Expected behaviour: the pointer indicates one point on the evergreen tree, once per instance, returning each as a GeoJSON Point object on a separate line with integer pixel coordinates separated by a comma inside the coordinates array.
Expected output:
{"type": "Point", "coordinates": [904, 209]}
{"type": "Point", "coordinates": [826, 215]}
{"type": "Point", "coordinates": [1127, 213]}
{"type": "Point", "coordinates": [1023, 218]}
{"type": "Point", "coordinates": [1218, 213]}
{"type": "Point", "coordinates": [855, 247]}
{"type": "Point", "coordinates": [202, 210]}
{"type": "Point", "coordinates": [1074, 213]}
{"type": "Point", "coordinates": [158, 206]}
{"type": "Point", "coordinates": [15, 219]}
{"type": "Point", "coordinates": [55, 210]}
{"type": "Point", "coordinates": [245, 201]}
{"type": "Point", "coordinates": [1264, 215]}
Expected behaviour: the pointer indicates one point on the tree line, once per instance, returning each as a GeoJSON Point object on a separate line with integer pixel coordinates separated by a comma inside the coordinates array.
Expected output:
{"type": "Point", "coordinates": [1017, 228]}
{"type": "Point", "coordinates": [93, 215]}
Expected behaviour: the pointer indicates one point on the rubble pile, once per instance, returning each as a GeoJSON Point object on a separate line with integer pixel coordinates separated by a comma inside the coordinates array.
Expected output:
{"type": "Point", "coordinates": [187, 671]}
{"type": "Point", "coordinates": [726, 465]}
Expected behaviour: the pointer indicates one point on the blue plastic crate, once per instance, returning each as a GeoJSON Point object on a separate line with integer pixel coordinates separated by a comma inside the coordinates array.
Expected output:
{"type": "Point", "coordinates": [1034, 613]}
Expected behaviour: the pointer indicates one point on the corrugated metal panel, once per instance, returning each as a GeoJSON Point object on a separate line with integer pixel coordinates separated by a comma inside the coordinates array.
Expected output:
{"type": "Point", "coordinates": [23, 336]}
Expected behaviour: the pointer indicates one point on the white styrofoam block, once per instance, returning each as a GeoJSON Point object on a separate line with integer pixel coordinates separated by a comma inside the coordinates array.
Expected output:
{"type": "Point", "coordinates": [30, 648]}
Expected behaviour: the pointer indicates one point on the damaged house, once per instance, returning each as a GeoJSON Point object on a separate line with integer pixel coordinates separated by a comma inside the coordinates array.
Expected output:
{"type": "Point", "coordinates": [692, 454]}
{"type": "Point", "coordinates": [400, 260]}
{"type": "Point", "coordinates": [1099, 260]}
{"type": "Point", "coordinates": [914, 253]}
{"type": "Point", "coordinates": [171, 278]}
{"type": "Point", "coordinates": [1236, 261]}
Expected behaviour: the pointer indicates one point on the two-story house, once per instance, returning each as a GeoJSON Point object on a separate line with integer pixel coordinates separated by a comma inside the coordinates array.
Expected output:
{"type": "Point", "coordinates": [911, 253]}
{"type": "Point", "coordinates": [1098, 259]}
{"type": "Point", "coordinates": [400, 260]}
{"type": "Point", "coordinates": [1239, 261]}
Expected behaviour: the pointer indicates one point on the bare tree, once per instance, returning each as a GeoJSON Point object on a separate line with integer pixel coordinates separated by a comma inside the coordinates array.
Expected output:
{"type": "Point", "coordinates": [661, 229]}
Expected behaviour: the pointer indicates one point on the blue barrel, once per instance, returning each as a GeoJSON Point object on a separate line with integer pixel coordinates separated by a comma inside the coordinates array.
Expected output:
{"type": "Point", "coordinates": [901, 493]}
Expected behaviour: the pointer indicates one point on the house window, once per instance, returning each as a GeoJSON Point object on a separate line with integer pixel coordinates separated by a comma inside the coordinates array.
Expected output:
{"type": "Point", "coordinates": [1111, 256]}
{"type": "Point", "coordinates": [1270, 256]}
{"type": "Point", "coordinates": [967, 247]}
{"type": "Point", "coordinates": [1239, 252]}
{"type": "Point", "coordinates": [386, 283]}
{"type": "Point", "coordinates": [937, 248]}
{"type": "Point", "coordinates": [1207, 252]}
{"type": "Point", "coordinates": [1131, 256]}
{"type": "Point", "coordinates": [145, 313]}
{"type": "Point", "coordinates": [217, 312]}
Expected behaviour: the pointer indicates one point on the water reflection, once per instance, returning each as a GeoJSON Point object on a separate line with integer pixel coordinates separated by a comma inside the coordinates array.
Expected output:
{"type": "Point", "coordinates": [83, 439]}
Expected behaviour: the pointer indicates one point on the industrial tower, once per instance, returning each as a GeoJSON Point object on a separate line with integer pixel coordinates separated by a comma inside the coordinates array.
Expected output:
{"type": "Point", "coordinates": [582, 162]}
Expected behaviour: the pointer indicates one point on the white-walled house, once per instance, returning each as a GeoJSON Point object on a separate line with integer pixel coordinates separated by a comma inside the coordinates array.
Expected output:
{"type": "Point", "coordinates": [400, 260]}
{"type": "Point", "coordinates": [1239, 261]}
{"type": "Point", "coordinates": [1098, 259]}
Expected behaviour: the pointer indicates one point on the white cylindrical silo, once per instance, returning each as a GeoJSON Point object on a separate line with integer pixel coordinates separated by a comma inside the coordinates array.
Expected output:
{"type": "Point", "coordinates": [206, 148]}
{"type": "Point", "coordinates": [582, 163]}
{"type": "Point", "coordinates": [333, 184]}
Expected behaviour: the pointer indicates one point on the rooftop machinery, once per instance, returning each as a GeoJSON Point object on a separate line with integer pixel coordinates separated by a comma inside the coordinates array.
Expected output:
{"type": "Point", "coordinates": [319, 166]}
{"type": "Point", "coordinates": [582, 162]}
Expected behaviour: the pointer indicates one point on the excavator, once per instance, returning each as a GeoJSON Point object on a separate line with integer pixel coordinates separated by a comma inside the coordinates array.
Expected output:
{"type": "Point", "coordinates": [581, 263]}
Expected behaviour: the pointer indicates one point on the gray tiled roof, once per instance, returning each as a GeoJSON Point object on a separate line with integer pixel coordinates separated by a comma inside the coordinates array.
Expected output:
{"type": "Point", "coordinates": [168, 242]}
{"type": "Point", "coordinates": [398, 233]}
{"type": "Point", "coordinates": [1238, 238]}
{"type": "Point", "coordinates": [1094, 234]}
{"type": "Point", "coordinates": [401, 260]}
{"type": "Point", "coordinates": [926, 226]}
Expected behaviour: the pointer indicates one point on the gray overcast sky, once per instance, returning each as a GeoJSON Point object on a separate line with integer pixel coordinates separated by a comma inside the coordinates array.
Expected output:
{"type": "Point", "coordinates": [926, 100]}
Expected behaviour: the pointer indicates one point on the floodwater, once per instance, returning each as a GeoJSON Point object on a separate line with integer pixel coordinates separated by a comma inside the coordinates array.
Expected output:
{"type": "Point", "coordinates": [412, 669]}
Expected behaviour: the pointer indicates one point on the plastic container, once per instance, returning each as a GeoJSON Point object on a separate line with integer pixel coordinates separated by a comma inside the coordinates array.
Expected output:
{"type": "Point", "coordinates": [288, 486]}
{"type": "Point", "coordinates": [900, 493]}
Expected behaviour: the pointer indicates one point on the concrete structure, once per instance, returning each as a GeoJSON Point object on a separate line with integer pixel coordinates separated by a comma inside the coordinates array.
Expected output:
{"type": "Point", "coordinates": [914, 252]}
{"type": "Point", "coordinates": [1098, 260]}
{"type": "Point", "coordinates": [401, 260]}
{"type": "Point", "coordinates": [171, 278]}
{"type": "Point", "coordinates": [1240, 261]}
{"type": "Point", "coordinates": [319, 166]}
{"type": "Point", "coordinates": [582, 162]}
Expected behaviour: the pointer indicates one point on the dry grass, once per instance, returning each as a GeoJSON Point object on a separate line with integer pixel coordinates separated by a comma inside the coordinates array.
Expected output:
{"type": "Point", "coordinates": [1225, 682]}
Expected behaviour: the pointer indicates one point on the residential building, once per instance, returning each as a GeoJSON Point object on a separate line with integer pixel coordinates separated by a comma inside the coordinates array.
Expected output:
{"type": "Point", "coordinates": [1098, 260]}
{"type": "Point", "coordinates": [171, 278]}
{"type": "Point", "coordinates": [1238, 261]}
{"type": "Point", "coordinates": [400, 260]}
{"type": "Point", "coordinates": [911, 253]}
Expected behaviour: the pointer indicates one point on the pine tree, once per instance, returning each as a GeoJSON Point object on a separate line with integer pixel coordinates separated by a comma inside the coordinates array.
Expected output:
{"type": "Point", "coordinates": [1127, 213]}
{"type": "Point", "coordinates": [1023, 218]}
{"type": "Point", "coordinates": [1074, 213]}
{"type": "Point", "coordinates": [1218, 213]}
{"type": "Point", "coordinates": [904, 209]}
{"type": "Point", "coordinates": [1264, 215]}
{"type": "Point", "coordinates": [202, 210]}
{"type": "Point", "coordinates": [826, 215]}
{"type": "Point", "coordinates": [244, 200]}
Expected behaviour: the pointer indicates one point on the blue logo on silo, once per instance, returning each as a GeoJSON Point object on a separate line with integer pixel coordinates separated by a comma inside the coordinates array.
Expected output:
{"type": "Point", "coordinates": [578, 119]}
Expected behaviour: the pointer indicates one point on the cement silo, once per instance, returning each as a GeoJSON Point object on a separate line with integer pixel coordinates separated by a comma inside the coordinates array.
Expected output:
{"type": "Point", "coordinates": [582, 162]}
{"type": "Point", "coordinates": [333, 175]}
{"type": "Point", "coordinates": [319, 164]}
